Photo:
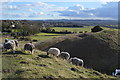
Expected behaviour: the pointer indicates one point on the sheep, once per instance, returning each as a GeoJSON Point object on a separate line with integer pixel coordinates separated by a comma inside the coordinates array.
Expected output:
{"type": "Point", "coordinates": [9, 45]}
{"type": "Point", "coordinates": [76, 61]}
{"type": "Point", "coordinates": [29, 47]}
{"type": "Point", "coordinates": [13, 41]}
{"type": "Point", "coordinates": [64, 55]}
{"type": "Point", "coordinates": [53, 51]}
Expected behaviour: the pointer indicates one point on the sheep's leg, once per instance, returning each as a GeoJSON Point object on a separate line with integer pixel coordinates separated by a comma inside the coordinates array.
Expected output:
{"type": "Point", "coordinates": [82, 64]}
{"type": "Point", "coordinates": [13, 50]}
{"type": "Point", "coordinates": [47, 53]}
{"type": "Point", "coordinates": [32, 52]}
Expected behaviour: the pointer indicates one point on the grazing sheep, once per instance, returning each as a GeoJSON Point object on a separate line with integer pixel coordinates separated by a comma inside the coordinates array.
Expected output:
{"type": "Point", "coordinates": [76, 61]}
{"type": "Point", "coordinates": [53, 51]}
{"type": "Point", "coordinates": [29, 47]}
{"type": "Point", "coordinates": [64, 55]}
{"type": "Point", "coordinates": [13, 41]}
{"type": "Point", "coordinates": [9, 45]}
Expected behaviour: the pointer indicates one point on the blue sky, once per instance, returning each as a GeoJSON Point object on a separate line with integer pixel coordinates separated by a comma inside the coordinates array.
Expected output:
{"type": "Point", "coordinates": [59, 10]}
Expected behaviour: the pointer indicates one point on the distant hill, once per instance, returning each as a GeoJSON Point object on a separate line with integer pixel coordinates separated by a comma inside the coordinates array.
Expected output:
{"type": "Point", "coordinates": [98, 50]}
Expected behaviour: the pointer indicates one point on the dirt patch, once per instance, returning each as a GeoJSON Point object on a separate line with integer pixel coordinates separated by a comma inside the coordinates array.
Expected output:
{"type": "Point", "coordinates": [7, 70]}
{"type": "Point", "coordinates": [24, 62]}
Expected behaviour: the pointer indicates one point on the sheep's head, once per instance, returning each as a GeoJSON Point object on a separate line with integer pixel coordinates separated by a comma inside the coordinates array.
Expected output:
{"type": "Point", "coordinates": [6, 40]}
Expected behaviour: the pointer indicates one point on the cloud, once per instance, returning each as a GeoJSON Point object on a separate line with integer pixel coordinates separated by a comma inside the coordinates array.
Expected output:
{"type": "Point", "coordinates": [76, 7]}
{"type": "Point", "coordinates": [38, 9]}
{"type": "Point", "coordinates": [76, 11]}
{"type": "Point", "coordinates": [108, 10]}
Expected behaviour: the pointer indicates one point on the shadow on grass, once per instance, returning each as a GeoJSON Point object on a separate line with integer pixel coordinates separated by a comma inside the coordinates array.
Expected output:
{"type": "Point", "coordinates": [44, 56]}
{"type": "Point", "coordinates": [16, 52]}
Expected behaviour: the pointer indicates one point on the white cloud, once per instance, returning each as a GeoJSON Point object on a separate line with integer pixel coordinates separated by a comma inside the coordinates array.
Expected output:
{"type": "Point", "coordinates": [39, 13]}
{"type": "Point", "coordinates": [12, 7]}
{"type": "Point", "coordinates": [41, 4]}
{"type": "Point", "coordinates": [108, 10]}
{"type": "Point", "coordinates": [35, 9]}
{"type": "Point", "coordinates": [76, 7]}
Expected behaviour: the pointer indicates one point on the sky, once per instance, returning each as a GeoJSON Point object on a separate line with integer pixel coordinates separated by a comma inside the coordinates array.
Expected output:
{"type": "Point", "coordinates": [41, 10]}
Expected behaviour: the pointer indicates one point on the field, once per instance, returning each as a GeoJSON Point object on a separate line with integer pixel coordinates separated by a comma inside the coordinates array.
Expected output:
{"type": "Point", "coordinates": [86, 28]}
{"type": "Point", "coordinates": [45, 36]}
{"type": "Point", "coordinates": [83, 29]}
{"type": "Point", "coordinates": [22, 64]}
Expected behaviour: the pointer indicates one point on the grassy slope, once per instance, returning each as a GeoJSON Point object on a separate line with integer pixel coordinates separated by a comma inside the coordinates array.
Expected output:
{"type": "Point", "coordinates": [101, 46]}
{"type": "Point", "coordinates": [55, 67]}
{"type": "Point", "coordinates": [44, 36]}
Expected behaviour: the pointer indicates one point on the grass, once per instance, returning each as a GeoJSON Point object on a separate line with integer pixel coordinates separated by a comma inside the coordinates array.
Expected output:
{"type": "Point", "coordinates": [83, 29]}
{"type": "Point", "coordinates": [54, 67]}
{"type": "Point", "coordinates": [47, 34]}
{"type": "Point", "coordinates": [86, 28]}
{"type": "Point", "coordinates": [44, 36]}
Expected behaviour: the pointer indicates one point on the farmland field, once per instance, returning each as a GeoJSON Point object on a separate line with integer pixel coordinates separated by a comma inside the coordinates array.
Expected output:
{"type": "Point", "coordinates": [86, 28]}
{"type": "Point", "coordinates": [44, 36]}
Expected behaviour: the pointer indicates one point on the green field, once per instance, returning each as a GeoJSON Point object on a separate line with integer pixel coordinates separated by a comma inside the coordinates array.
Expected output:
{"type": "Point", "coordinates": [86, 28]}
{"type": "Point", "coordinates": [44, 36]}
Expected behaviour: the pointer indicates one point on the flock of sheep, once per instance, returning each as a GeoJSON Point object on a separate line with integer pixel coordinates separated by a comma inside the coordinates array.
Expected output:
{"type": "Point", "coordinates": [12, 44]}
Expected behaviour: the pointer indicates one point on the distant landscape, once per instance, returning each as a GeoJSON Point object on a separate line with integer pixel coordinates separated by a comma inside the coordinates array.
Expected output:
{"type": "Point", "coordinates": [59, 39]}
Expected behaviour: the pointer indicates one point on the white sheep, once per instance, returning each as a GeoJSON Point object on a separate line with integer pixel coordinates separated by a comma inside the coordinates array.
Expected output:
{"type": "Point", "coordinates": [76, 61]}
{"type": "Point", "coordinates": [53, 51]}
{"type": "Point", "coordinates": [9, 45]}
{"type": "Point", "coordinates": [29, 47]}
{"type": "Point", "coordinates": [13, 41]}
{"type": "Point", "coordinates": [64, 55]}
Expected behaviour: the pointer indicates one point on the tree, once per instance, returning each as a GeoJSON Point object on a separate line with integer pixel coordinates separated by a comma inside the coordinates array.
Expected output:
{"type": "Point", "coordinates": [96, 29]}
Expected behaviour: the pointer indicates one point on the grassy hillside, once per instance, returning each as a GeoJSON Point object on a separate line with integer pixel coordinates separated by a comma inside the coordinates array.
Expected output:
{"type": "Point", "coordinates": [98, 50]}
{"type": "Point", "coordinates": [39, 65]}
{"type": "Point", "coordinates": [44, 36]}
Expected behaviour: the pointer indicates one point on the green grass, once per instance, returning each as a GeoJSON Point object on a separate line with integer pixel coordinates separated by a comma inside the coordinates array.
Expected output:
{"type": "Point", "coordinates": [55, 67]}
{"type": "Point", "coordinates": [44, 36]}
{"type": "Point", "coordinates": [86, 28]}
{"type": "Point", "coordinates": [47, 34]}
